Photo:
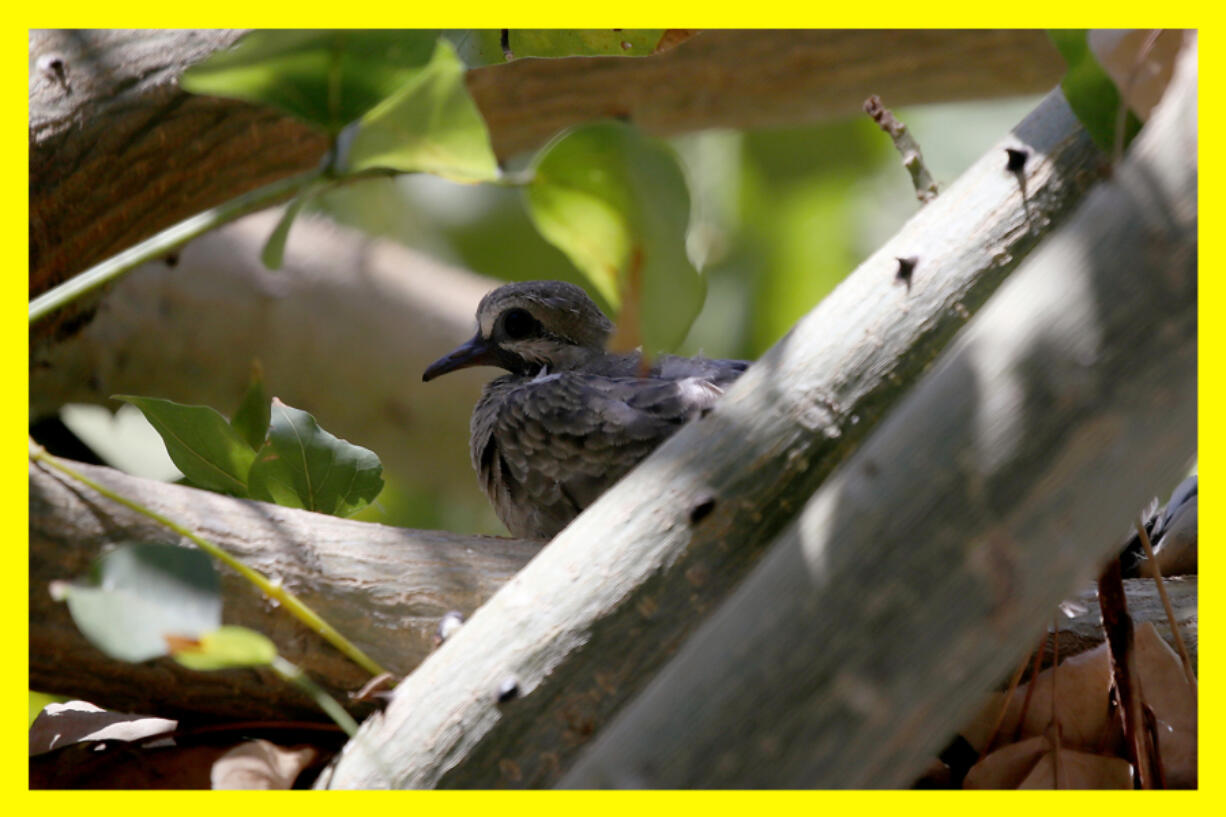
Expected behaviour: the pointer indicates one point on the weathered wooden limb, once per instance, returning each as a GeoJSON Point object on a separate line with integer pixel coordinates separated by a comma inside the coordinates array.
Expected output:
{"type": "Point", "coordinates": [384, 588]}
{"type": "Point", "coordinates": [590, 620]}
{"type": "Point", "coordinates": [218, 309]}
{"type": "Point", "coordinates": [118, 152]}
{"type": "Point", "coordinates": [760, 78]}
{"type": "Point", "coordinates": [916, 576]}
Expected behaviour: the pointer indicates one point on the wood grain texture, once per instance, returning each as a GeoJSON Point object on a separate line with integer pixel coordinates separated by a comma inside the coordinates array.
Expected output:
{"type": "Point", "coordinates": [588, 623]}
{"type": "Point", "coordinates": [384, 588]}
{"type": "Point", "coordinates": [917, 576]}
{"type": "Point", "coordinates": [121, 152]}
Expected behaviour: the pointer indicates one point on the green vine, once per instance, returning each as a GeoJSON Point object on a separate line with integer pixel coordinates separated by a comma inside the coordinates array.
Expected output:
{"type": "Point", "coordinates": [270, 589]}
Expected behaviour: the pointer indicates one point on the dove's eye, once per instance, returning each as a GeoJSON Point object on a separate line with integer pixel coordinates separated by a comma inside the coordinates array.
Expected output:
{"type": "Point", "coordinates": [518, 323]}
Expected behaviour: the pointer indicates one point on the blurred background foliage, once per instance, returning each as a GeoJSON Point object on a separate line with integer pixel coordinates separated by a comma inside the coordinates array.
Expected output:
{"type": "Point", "coordinates": [778, 218]}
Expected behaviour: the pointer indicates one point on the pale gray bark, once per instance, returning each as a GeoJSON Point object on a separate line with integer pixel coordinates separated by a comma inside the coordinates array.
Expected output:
{"type": "Point", "coordinates": [585, 626]}
{"type": "Point", "coordinates": [384, 588]}
{"type": "Point", "coordinates": [914, 579]}
{"type": "Point", "coordinates": [344, 330]}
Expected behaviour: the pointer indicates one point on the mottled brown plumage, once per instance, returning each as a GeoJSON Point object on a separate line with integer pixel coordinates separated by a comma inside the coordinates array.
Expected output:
{"type": "Point", "coordinates": [569, 419]}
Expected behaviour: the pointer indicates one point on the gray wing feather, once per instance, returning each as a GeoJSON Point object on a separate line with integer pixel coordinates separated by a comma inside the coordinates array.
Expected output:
{"type": "Point", "coordinates": [546, 448]}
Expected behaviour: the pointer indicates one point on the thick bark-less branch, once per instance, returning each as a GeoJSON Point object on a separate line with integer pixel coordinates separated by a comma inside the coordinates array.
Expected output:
{"type": "Point", "coordinates": [118, 152]}
{"type": "Point", "coordinates": [915, 577]}
{"type": "Point", "coordinates": [583, 627]}
{"type": "Point", "coordinates": [384, 588]}
{"type": "Point", "coordinates": [343, 330]}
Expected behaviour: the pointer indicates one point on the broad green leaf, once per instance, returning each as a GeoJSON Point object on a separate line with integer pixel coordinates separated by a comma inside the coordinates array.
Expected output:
{"type": "Point", "coordinates": [303, 466]}
{"type": "Point", "coordinates": [200, 442]}
{"type": "Point", "coordinates": [227, 648]}
{"type": "Point", "coordinates": [139, 596]}
{"type": "Point", "coordinates": [430, 124]}
{"type": "Point", "coordinates": [328, 78]}
{"type": "Point", "coordinates": [251, 417]}
{"type": "Point", "coordinates": [607, 42]}
{"type": "Point", "coordinates": [616, 203]}
{"type": "Point", "coordinates": [1090, 91]}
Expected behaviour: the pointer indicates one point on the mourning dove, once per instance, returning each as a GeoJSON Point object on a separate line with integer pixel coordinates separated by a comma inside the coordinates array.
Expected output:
{"type": "Point", "coordinates": [570, 418]}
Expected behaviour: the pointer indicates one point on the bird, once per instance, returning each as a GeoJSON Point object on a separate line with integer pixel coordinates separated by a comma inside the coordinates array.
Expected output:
{"type": "Point", "coordinates": [569, 418]}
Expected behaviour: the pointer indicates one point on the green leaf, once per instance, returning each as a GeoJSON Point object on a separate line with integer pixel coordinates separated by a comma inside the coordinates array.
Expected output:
{"type": "Point", "coordinates": [200, 442]}
{"type": "Point", "coordinates": [141, 597]}
{"type": "Point", "coordinates": [273, 253]}
{"type": "Point", "coordinates": [430, 124]}
{"type": "Point", "coordinates": [251, 418]}
{"type": "Point", "coordinates": [616, 203]}
{"type": "Point", "coordinates": [227, 648]}
{"type": "Point", "coordinates": [327, 78]}
{"type": "Point", "coordinates": [303, 466]}
{"type": "Point", "coordinates": [1090, 92]}
{"type": "Point", "coordinates": [479, 47]}
{"type": "Point", "coordinates": [476, 46]}
{"type": "Point", "coordinates": [604, 42]}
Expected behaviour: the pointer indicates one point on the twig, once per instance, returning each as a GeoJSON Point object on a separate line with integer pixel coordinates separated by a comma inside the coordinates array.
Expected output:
{"type": "Point", "coordinates": [912, 158]}
{"type": "Point", "coordinates": [1004, 705]}
{"type": "Point", "coordinates": [1166, 605]}
{"type": "Point", "coordinates": [1054, 738]}
{"type": "Point", "coordinates": [1030, 685]}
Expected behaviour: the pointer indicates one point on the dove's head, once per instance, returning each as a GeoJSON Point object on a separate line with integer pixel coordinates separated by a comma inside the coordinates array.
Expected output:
{"type": "Point", "coordinates": [528, 326]}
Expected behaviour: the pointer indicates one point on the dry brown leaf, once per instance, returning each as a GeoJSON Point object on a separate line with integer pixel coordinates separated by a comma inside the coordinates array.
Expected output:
{"type": "Point", "coordinates": [1082, 689]}
{"type": "Point", "coordinates": [60, 724]}
{"type": "Point", "coordinates": [259, 764]}
{"type": "Point", "coordinates": [1079, 770]}
{"type": "Point", "coordinates": [1165, 689]}
{"type": "Point", "coordinates": [1141, 77]}
{"type": "Point", "coordinates": [1006, 767]}
{"type": "Point", "coordinates": [674, 37]}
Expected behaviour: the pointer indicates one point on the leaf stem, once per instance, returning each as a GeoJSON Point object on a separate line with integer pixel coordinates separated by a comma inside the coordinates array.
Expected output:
{"type": "Point", "coordinates": [167, 240]}
{"type": "Point", "coordinates": [292, 673]}
{"type": "Point", "coordinates": [271, 589]}
{"type": "Point", "coordinates": [334, 710]}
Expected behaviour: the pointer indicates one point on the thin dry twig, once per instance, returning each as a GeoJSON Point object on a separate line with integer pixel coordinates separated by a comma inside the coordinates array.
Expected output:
{"type": "Point", "coordinates": [1004, 705]}
{"type": "Point", "coordinates": [1054, 729]}
{"type": "Point", "coordinates": [1166, 605]}
{"type": "Point", "coordinates": [1034, 673]}
{"type": "Point", "coordinates": [912, 159]}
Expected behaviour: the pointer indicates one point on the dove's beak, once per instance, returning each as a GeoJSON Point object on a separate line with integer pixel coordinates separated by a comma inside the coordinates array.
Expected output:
{"type": "Point", "coordinates": [477, 351]}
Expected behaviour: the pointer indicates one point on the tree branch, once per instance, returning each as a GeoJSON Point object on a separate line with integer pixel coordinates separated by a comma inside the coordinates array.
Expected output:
{"type": "Point", "coordinates": [384, 588]}
{"type": "Point", "coordinates": [584, 626]}
{"type": "Point", "coordinates": [218, 308]}
{"type": "Point", "coordinates": [915, 577]}
{"type": "Point", "coordinates": [120, 152]}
